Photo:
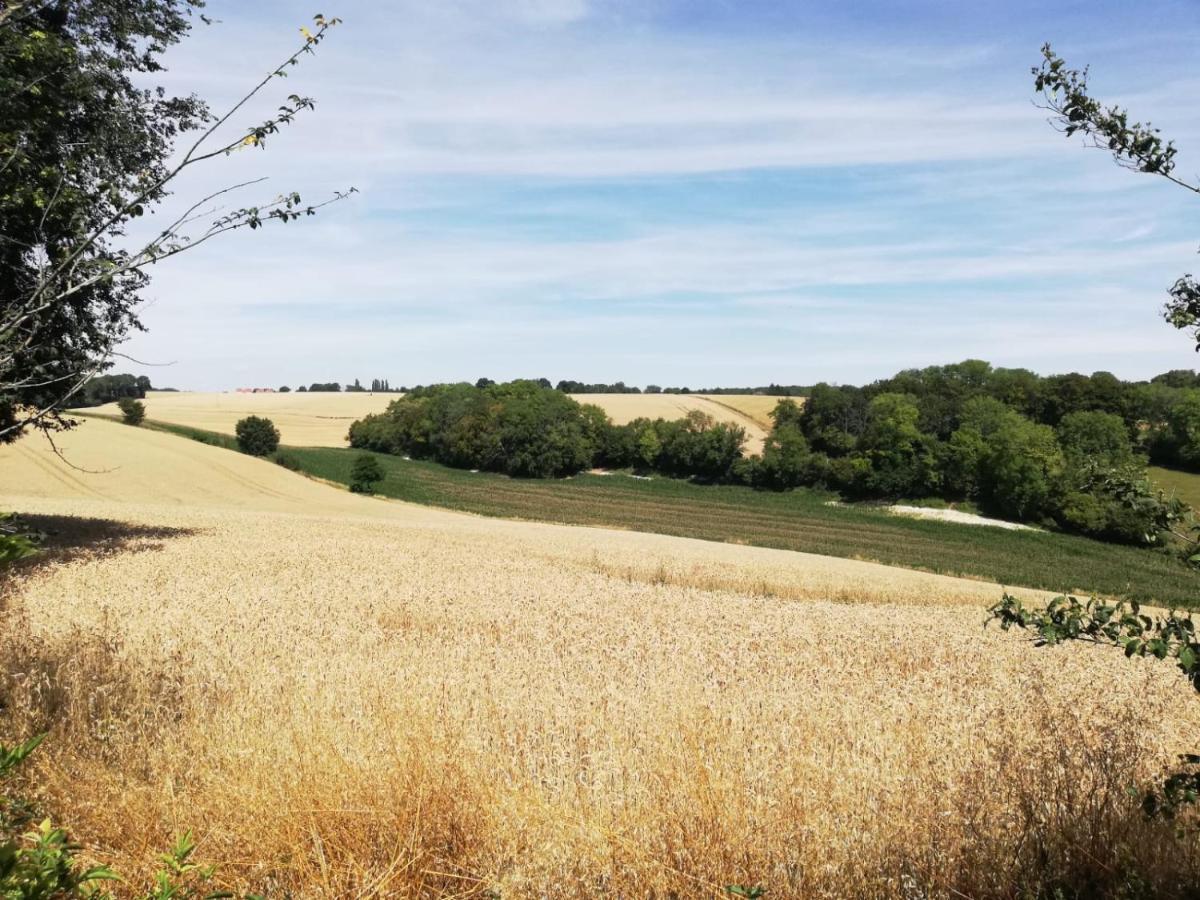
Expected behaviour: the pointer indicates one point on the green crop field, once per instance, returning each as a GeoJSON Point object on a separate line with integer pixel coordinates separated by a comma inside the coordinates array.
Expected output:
{"type": "Point", "coordinates": [800, 520]}
{"type": "Point", "coordinates": [796, 520]}
{"type": "Point", "coordinates": [1184, 485]}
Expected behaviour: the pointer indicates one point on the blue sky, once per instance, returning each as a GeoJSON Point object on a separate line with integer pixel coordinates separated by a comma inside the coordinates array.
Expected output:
{"type": "Point", "coordinates": [702, 193]}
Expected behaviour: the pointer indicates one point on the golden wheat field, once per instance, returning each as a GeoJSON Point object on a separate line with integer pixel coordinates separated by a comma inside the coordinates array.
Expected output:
{"type": "Point", "coordinates": [756, 407]}
{"type": "Point", "coordinates": [350, 697]}
{"type": "Point", "coordinates": [317, 419]}
{"type": "Point", "coordinates": [322, 419]}
{"type": "Point", "coordinates": [622, 408]}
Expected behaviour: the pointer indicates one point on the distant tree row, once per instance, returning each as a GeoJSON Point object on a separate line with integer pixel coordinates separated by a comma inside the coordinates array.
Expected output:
{"type": "Point", "coordinates": [578, 387]}
{"type": "Point", "coordinates": [1067, 451]}
{"type": "Point", "coordinates": [378, 386]}
{"type": "Point", "coordinates": [528, 429]}
{"type": "Point", "coordinates": [619, 387]}
{"type": "Point", "coordinates": [111, 388]}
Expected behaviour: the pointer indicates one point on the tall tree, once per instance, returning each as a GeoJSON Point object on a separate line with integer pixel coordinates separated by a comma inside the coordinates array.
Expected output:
{"type": "Point", "coordinates": [84, 151]}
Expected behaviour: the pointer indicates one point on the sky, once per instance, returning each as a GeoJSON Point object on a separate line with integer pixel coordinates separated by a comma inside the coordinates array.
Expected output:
{"type": "Point", "coordinates": [680, 192]}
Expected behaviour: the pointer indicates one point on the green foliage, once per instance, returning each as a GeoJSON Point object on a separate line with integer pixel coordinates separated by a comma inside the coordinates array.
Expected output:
{"type": "Point", "coordinates": [1166, 637]}
{"type": "Point", "coordinates": [15, 542]}
{"type": "Point", "coordinates": [901, 457]}
{"type": "Point", "coordinates": [521, 428]}
{"type": "Point", "coordinates": [1175, 438]}
{"type": "Point", "coordinates": [42, 863]}
{"type": "Point", "coordinates": [787, 460]}
{"type": "Point", "coordinates": [257, 436]}
{"type": "Point", "coordinates": [109, 388]}
{"type": "Point", "coordinates": [132, 411]}
{"type": "Point", "coordinates": [1093, 437]}
{"type": "Point", "coordinates": [81, 137]}
{"type": "Point", "coordinates": [287, 460]}
{"type": "Point", "coordinates": [365, 474]}
{"type": "Point", "coordinates": [88, 145]}
{"type": "Point", "coordinates": [1057, 451]}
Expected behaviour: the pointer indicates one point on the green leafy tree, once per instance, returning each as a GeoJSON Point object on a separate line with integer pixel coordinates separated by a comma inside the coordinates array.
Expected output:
{"type": "Point", "coordinates": [365, 474]}
{"type": "Point", "coordinates": [1021, 472]}
{"type": "Point", "coordinates": [257, 436]}
{"type": "Point", "coordinates": [88, 146]}
{"type": "Point", "coordinates": [787, 460]}
{"type": "Point", "coordinates": [132, 411]}
{"type": "Point", "coordinates": [902, 457]}
{"type": "Point", "coordinates": [1138, 147]}
{"type": "Point", "coordinates": [1097, 438]}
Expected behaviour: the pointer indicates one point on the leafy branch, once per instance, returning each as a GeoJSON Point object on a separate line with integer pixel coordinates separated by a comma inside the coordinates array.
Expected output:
{"type": "Point", "coordinates": [1137, 146]}
{"type": "Point", "coordinates": [74, 267]}
{"type": "Point", "coordinates": [1165, 637]}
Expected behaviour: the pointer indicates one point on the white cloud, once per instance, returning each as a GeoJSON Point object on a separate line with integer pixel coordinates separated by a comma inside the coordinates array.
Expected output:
{"type": "Point", "coordinates": [958, 184]}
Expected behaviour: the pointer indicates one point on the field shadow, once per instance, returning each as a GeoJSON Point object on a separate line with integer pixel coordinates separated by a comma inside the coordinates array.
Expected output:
{"type": "Point", "coordinates": [66, 538]}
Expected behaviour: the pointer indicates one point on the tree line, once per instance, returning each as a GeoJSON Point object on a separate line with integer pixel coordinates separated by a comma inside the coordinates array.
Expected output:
{"type": "Point", "coordinates": [111, 388]}
{"type": "Point", "coordinates": [528, 429]}
{"type": "Point", "coordinates": [1067, 451]}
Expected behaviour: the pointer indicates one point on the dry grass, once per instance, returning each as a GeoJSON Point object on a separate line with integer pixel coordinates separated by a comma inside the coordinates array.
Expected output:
{"type": "Point", "coordinates": [364, 698]}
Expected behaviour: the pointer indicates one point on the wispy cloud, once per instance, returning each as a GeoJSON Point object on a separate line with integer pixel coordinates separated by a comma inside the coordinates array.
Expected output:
{"type": "Point", "coordinates": [676, 192]}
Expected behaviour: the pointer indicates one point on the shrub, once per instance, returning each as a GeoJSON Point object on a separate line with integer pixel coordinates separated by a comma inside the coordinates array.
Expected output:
{"type": "Point", "coordinates": [257, 436]}
{"type": "Point", "coordinates": [365, 474]}
{"type": "Point", "coordinates": [15, 542]}
{"type": "Point", "coordinates": [42, 863]}
{"type": "Point", "coordinates": [132, 411]}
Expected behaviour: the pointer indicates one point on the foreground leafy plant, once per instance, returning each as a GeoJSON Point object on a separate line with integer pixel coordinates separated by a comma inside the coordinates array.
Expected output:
{"type": "Point", "coordinates": [43, 863]}
{"type": "Point", "coordinates": [1171, 636]}
{"type": "Point", "coordinates": [15, 542]}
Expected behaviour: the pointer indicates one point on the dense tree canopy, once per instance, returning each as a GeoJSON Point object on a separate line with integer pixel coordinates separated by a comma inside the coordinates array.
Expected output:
{"type": "Point", "coordinates": [86, 148]}
{"type": "Point", "coordinates": [78, 138]}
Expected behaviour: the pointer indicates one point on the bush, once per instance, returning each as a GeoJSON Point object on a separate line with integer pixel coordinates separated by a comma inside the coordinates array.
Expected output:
{"type": "Point", "coordinates": [132, 411]}
{"type": "Point", "coordinates": [15, 542]}
{"type": "Point", "coordinates": [365, 474]}
{"type": "Point", "coordinates": [40, 862]}
{"type": "Point", "coordinates": [257, 436]}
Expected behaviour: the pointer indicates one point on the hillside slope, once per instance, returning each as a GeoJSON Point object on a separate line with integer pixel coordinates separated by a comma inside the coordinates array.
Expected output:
{"type": "Point", "coordinates": [347, 696]}
{"type": "Point", "coordinates": [164, 479]}
{"type": "Point", "coordinates": [322, 419]}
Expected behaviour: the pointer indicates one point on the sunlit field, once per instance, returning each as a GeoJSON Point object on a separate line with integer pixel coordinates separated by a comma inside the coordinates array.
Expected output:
{"type": "Point", "coordinates": [322, 419]}
{"type": "Point", "coordinates": [756, 407]}
{"type": "Point", "coordinates": [349, 696]}
{"type": "Point", "coordinates": [316, 419]}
